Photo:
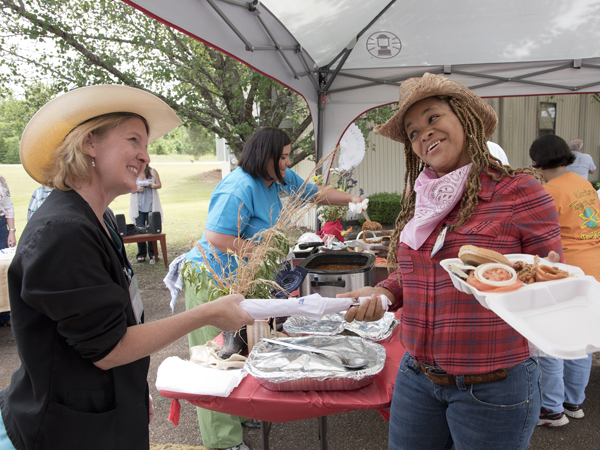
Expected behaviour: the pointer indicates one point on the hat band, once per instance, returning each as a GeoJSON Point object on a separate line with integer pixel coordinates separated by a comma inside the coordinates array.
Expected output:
{"type": "Point", "coordinates": [123, 113]}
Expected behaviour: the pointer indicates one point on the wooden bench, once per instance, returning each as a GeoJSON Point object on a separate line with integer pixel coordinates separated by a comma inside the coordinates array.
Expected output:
{"type": "Point", "coordinates": [154, 238]}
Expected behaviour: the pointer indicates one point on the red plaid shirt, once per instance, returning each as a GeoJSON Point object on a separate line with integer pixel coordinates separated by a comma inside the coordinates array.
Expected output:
{"type": "Point", "coordinates": [444, 327]}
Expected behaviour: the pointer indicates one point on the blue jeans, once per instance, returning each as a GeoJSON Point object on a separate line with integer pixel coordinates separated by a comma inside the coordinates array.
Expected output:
{"type": "Point", "coordinates": [564, 380]}
{"type": "Point", "coordinates": [3, 232]}
{"type": "Point", "coordinates": [140, 221]}
{"type": "Point", "coordinates": [493, 416]}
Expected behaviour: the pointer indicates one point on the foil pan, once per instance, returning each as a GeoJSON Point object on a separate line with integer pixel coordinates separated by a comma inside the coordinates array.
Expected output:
{"type": "Point", "coordinates": [335, 324]}
{"type": "Point", "coordinates": [328, 325]}
{"type": "Point", "coordinates": [283, 369]}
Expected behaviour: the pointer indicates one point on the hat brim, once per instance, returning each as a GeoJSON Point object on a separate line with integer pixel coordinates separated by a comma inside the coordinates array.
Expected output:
{"type": "Point", "coordinates": [414, 90]}
{"type": "Point", "coordinates": [57, 118]}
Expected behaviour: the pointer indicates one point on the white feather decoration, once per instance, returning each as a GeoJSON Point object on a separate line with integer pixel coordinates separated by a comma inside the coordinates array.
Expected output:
{"type": "Point", "coordinates": [352, 148]}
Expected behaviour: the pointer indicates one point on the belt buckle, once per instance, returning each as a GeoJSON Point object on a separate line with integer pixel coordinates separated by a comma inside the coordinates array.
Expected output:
{"type": "Point", "coordinates": [438, 376]}
{"type": "Point", "coordinates": [434, 371]}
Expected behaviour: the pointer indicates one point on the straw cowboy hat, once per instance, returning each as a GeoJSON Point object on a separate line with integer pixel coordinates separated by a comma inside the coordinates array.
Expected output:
{"type": "Point", "coordinates": [429, 85]}
{"type": "Point", "coordinates": [57, 118]}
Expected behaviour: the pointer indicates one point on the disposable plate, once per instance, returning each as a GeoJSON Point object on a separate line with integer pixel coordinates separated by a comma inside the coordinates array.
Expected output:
{"type": "Point", "coordinates": [559, 317]}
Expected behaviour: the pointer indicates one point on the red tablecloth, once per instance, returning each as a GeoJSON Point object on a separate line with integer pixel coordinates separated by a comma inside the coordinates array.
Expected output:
{"type": "Point", "coordinates": [253, 401]}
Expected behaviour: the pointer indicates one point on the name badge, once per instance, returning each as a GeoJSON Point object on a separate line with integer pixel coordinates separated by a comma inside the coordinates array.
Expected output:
{"type": "Point", "coordinates": [136, 300]}
{"type": "Point", "coordinates": [439, 242]}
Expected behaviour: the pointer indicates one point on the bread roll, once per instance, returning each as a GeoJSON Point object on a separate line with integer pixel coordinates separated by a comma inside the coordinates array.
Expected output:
{"type": "Point", "coordinates": [469, 254]}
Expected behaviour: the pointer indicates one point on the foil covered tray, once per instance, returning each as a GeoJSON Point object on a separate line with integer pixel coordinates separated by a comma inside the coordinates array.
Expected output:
{"type": "Point", "coordinates": [282, 369]}
{"type": "Point", "coordinates": [335, 324]}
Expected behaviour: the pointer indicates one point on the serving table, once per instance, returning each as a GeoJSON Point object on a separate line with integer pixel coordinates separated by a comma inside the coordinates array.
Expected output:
{"type": "Point", "coordinates": [154, 238]}
{"type": "Point", "coordinates": [253, 401]}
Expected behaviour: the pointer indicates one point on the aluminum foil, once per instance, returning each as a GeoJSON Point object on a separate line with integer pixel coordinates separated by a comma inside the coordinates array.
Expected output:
{"type": "Point", "coordinates": [329, 325]}
{"type": "Point", "coordinates": [334, 324]}
{"type": "Point", "coordinates": [284, 369]}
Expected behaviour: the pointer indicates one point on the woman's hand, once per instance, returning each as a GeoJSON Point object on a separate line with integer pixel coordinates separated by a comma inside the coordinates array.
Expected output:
{"type": "Point", "coordinates": [12, 239]}
{"type": "Point", "coordinates": [355, 199]}
{"type": "Point", "coordinates": [553, 257]}
{"type": "Point", "coordinates": [371, 309]}
{"type": "Point", "coordinates": [329, 196]}
{"type": "Point", "coordinates": [227, 314]}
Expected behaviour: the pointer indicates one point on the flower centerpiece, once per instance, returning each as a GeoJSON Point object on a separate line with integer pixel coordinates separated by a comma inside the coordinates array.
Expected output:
{"type": "Point", "coordinates": [331, 216]}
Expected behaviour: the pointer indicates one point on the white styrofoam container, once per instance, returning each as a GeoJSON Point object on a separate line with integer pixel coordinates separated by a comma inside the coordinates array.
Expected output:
{"type": "Point", "coordinates": [561, 317]}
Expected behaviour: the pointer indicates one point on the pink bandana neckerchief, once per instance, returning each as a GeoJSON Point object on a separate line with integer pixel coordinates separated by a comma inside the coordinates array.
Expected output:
{"type": "Point", "coordinates": [436, 197]}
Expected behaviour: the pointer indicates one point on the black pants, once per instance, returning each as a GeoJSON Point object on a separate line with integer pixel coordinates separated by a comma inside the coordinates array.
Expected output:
{"type": "Point", "coordinates": [143, 247]}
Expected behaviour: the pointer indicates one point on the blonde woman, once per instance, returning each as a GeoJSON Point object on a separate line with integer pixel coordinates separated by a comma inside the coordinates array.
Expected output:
{"type": "Point", "coordinates": [77, 313]}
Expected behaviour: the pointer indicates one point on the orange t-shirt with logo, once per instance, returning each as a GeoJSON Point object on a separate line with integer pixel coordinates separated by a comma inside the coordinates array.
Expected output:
{"type": "Point", "coordinates": [578, 209]}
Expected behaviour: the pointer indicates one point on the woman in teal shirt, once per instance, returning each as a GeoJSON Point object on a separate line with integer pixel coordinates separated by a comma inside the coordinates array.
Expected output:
{"type": "Point", "coordinates": [246, 202]}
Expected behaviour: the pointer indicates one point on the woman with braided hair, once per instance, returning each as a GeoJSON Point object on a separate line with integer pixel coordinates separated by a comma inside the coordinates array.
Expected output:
{"type": "Point", "coordinates": [467, 376]}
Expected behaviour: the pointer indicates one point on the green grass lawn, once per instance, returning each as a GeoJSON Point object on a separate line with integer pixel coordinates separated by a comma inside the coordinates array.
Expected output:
{"type": "Point", "coordinates": [185, 196]}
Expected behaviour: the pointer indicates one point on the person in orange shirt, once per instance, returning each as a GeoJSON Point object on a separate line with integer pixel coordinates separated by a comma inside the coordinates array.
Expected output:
{"type": "Point", "coordinates": [564, 381]}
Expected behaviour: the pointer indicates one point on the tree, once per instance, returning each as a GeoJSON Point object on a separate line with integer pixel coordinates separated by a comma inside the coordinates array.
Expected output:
{"type": "Point", "coordinates": [14, 115]}
{"type": "Point", "coordinates": [367, 121]}
{"type": "Point", "coordinates": [72, 43]}
{"type": "Point", "coordinates": [198, 142]}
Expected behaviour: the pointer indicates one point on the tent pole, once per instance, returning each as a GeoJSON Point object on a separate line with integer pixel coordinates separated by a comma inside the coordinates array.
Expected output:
{"type": "Point", "coordinates": [320, 122]}
{"type": "Point", "coordinates": [319, 141]}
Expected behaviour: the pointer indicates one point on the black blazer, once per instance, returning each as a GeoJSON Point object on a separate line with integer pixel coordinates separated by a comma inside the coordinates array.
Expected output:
{"type": "Point", "coordinates": [70, 306]}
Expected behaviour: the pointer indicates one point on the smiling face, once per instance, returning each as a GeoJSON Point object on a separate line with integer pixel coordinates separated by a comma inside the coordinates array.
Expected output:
{"type": "Point", "coordinates": [437, 137]}
{"type": "Point", "coordinates": [283, 164]}
{"type": "Point", "coordinates": [119, 156]}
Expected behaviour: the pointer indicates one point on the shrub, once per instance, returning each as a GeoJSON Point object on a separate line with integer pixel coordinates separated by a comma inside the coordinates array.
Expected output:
{"type": "Point", "coordinates": [596, 184]}
{"type": "Point", "coordinates": [384, 207]}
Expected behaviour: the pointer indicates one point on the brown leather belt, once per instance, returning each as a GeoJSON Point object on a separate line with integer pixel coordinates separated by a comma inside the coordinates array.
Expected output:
{"type": "Point", "coordinates": [442, 378]}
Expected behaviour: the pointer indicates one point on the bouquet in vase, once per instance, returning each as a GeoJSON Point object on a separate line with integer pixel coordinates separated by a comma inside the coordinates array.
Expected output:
{"type": "Point", "coordinates": [331, 216]}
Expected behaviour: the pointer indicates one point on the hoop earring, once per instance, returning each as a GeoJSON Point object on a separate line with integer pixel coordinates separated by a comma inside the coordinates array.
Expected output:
{"type": "Point", "coordinates": [93, 163]}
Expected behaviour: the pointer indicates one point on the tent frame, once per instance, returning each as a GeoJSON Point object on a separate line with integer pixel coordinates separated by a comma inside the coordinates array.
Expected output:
{"type": "Point", "coordinates": [323, 77]}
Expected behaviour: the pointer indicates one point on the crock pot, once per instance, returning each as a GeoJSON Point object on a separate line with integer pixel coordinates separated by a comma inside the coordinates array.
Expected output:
{"type": "Point", "coordinates": [329, 283]}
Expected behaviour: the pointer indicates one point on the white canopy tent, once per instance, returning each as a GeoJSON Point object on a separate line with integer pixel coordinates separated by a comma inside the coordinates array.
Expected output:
{"type": "Point", "coordinates": [348, 56]}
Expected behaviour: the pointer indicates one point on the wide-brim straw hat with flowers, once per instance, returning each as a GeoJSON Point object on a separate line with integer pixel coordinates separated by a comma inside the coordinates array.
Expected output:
{"type": "Point", "coordinates": [414, 90]}
{"type": "Point", "coordinates": [57, 118]}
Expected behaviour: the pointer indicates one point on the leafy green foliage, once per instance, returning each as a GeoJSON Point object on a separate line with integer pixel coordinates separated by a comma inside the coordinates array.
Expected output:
{"type": "Point", "coordinates": [199, 142]}
{"type": "Point", "coordinates": [273, 257]}
{"type": "Point", "coordinates": [384, 207]}
{"type": "Point", "coordinates": [72, 43]}
{"type": "Point", "coordinates": [596, 184]}
{"type": "Point", "coordinates": [199, 278]}
{"type": "Point", "coordinates": [373, 117]}
{"type": "Point", "coordinates": [14, 115]}
{"type": "Point", "coordinates": [253, 278]}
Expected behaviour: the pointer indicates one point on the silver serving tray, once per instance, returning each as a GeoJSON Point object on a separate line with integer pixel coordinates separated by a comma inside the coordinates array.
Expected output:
{"type": "Point", "coordinates": [282, 369]}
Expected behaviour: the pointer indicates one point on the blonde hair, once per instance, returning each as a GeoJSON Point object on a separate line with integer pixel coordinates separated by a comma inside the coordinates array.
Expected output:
{"type": "Point", "coordinates": [69, 165]}
{"type": "Point", "coordinates": [482, 161]}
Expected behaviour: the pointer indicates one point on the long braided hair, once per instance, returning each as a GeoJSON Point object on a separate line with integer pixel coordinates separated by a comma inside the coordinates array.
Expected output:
{"type": "Point", "coordinates": [481, 159]}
